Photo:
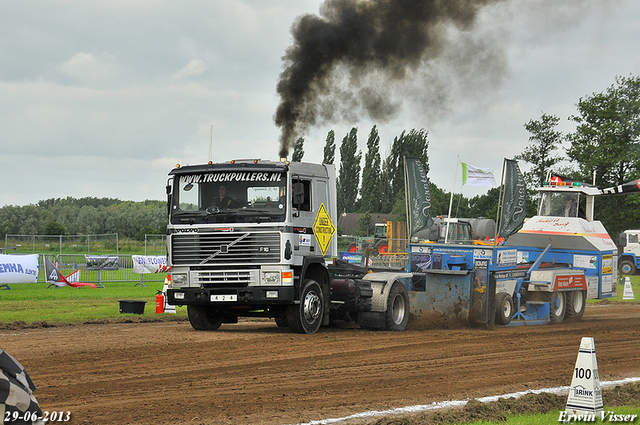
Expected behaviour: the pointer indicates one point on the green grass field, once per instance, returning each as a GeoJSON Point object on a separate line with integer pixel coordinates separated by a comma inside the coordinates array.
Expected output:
{"type": "Point", "coordinates": [35, 303]}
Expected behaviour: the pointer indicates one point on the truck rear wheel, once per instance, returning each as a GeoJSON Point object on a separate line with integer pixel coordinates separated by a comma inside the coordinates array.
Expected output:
{"type": "Point", "coordinates": [627, 267]}
{"type": "Point", "coordinates": [397, 314]}
{"type": "Point", "coordinates": [204, 318]}
{"type": "Point", "coordinates": [504, 308]}
{"type": "Point", "coordinates": [576, 301]}
{"type": "Point", "coordinates": [306, 317]}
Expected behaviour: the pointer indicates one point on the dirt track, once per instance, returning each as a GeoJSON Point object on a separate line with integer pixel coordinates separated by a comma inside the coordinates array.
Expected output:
{"type": "Point", "coordinates": [256, 373]}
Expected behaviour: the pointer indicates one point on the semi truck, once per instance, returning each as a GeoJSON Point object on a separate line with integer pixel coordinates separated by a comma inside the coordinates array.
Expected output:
{"type": "Point", "coordinates": [255, 238]}
{"type": "Point", "coordinates": [629, 259]}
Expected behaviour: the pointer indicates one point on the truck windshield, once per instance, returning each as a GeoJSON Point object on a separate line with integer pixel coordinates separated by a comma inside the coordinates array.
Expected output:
{"type": "Point", "coordinates": [223, 197]}
{"type": "Point", "coordinates": [557, 204]}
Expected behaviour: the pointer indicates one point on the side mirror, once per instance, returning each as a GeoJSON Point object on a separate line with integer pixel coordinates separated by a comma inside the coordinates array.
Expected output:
{"type": "Point", "coordinates": [622, 239]}
{"type": "Point", "coordinates": [298, 193]}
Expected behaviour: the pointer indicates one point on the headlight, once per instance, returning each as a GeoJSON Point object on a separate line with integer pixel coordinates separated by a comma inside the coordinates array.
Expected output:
{"type": "Point", "coordinates": [271, 278]}
{"type": "Point", "coordinates": [179, 279]}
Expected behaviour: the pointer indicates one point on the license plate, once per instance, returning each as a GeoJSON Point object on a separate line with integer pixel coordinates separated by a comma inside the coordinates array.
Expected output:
{"type": "Point", "coordinates": [224, 298]}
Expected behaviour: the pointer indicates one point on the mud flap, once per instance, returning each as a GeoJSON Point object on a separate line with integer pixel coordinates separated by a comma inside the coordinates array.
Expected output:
{"type": "Point", "coordinates": [446, 298]}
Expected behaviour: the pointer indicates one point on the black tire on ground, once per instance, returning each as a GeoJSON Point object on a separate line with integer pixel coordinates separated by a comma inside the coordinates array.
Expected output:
{"type": "Point", "coordinates": [576, 302]}
{"type": "Point", "coordinates": [282, 322]}
{"type": "Point", "coordinates": [306, 317]}
{"type": "Point", "coordinates": [204, 318]}
{"type": "Point", "coordinates": [557, 306]}
{"type": "Point", "coordinates": [397, 314]}
{"type": "Point", "coordinates": [504, 308]}
{"type": "Point", "coordinates": [627, 267]}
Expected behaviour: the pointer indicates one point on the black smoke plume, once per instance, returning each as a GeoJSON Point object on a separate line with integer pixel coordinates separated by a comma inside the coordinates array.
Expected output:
{"type": "Point", "coordinates": [346, 59]}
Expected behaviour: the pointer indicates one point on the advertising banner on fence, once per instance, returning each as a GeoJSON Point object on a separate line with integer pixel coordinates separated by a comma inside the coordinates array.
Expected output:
{"type": "Point", "coordinates": [149, 264]}
{"type": "Point", "coordinates": [102, 262]}
{"type": "Point", "coordinates": [18, 268]}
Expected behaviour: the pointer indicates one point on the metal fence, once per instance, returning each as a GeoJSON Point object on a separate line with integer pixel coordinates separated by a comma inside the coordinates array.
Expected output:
{"type": "Point", "coordinates": [120, 269]}
{"type": "Point", "coordinates": [108, 242]}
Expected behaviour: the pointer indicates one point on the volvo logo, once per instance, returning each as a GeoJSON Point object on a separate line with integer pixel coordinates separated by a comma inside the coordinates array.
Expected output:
{"type": "Point", "coordinates": [186, 230]}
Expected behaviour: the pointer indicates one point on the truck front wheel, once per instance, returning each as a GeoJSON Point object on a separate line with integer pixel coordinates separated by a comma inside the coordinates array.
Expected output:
{"type": "Point", "coordinates": [306, 317]}
{"type": "Point", "coordinates": [397, 315]}
{"type": "Point", "coordinates": [627, 267]}
{"type": "Point", "coordinates": [203, 318]}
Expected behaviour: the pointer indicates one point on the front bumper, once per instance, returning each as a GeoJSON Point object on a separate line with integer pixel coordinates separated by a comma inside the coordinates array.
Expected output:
{"type": "Point", "coordinates": [248, 296]}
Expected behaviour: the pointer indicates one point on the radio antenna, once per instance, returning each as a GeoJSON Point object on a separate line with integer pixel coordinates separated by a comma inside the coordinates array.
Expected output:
{"type": "Point", "coordinates": [210, 142]}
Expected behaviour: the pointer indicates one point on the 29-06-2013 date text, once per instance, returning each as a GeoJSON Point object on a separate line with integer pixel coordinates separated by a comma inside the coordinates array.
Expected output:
{"type": "Point", "coordinates": [55, 416]}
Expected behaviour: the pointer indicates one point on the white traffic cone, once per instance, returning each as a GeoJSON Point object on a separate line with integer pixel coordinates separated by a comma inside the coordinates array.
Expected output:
{"type": "Point", "coordinates": [628, 290]}
{"type": "Point", "coordinates": [585, 395]}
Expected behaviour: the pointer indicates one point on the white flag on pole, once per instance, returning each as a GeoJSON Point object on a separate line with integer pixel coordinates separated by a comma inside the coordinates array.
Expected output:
{"type": "Point", "coordinates": [474, 176]}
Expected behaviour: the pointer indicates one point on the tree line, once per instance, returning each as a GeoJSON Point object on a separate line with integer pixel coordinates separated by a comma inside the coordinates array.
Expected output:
{"type": "Point", "coordinates": [605, 144]}
{"type": "Point", "coordinates": [604, 149]}
{"type": "Point", "coordinates": [85, 216]}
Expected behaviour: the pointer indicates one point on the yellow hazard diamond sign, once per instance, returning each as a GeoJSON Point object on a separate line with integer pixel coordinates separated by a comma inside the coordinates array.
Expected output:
{"type": "Point", "coordinates": [324, 229]}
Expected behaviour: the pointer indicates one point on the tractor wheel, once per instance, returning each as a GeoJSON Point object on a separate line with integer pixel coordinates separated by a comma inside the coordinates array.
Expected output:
{"type": "Point", "coordinates": [557, 306]}
{"type": "Point", "coordinates": [383, 248]}
{"type": "Point", "coordinates": [306, 317]}
{"type": "Point", "coordinates": [204, 318]}
{"type": "Point", "coordinates": [397, 314]}
{"type": "Point", "coordinates": [504, 308]}
{"type": "Point", "coordinates": [627, 267]}
{"type": "Point", "coordinates": [352, 248]}
{"type": "Point", "coordinates": [576, 301]}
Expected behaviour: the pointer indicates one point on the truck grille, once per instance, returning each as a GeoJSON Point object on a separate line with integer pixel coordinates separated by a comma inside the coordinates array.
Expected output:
{"type": "Point", "coordinates": [226, 248]}
{"type": "Point", "coordinates": [226, 278]}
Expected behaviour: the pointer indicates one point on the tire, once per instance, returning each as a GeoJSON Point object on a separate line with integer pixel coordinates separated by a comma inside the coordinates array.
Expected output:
{"type": "Point", "coordinates": [504, 308]}
{"type": "Point", "coordinates": [557, 306]}
{"type": "Point", "coordinates": [282, 322]}
{"type": "Point", "coordinates": [627, 267]}
{"type": "Point", "coordinates": [306, 317]}
{"type": "Point", "coordinates": [397, 314]}
{"type": "Point", "coordinates": [352, 248]}
{"type": "Point", "coordinates": [383, 248]}
{"type": "Point", "coordinates": [576, 302]}
{"type": "Point", "coordinates": [203, 318]}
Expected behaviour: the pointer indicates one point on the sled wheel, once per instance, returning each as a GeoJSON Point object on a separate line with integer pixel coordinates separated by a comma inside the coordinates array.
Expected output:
{"type": "Point", "coordinates": [557, 306]}
{"type": "Point", "coordinates": [306, 317]}
{"type": "Point", "coordinates": [576, 301]}
{"type": "Point", "coordinates": [627, 267]}
{"type": "Point", "coordinates": [203, 318]}
{"type": "Point", "coordinates": [397, 314]}
{"type": "Point", "coordinates": [504, 308]}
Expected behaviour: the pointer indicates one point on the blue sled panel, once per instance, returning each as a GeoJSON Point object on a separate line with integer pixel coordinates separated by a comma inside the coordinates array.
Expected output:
{"type": "Point", "coordinates": [446, 297]}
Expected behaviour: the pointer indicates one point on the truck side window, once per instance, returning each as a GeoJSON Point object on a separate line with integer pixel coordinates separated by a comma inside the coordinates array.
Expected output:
{"type": "Point", "coordinates": [633, 238]}
{"type": "Point", "coordinates": [306, 202]}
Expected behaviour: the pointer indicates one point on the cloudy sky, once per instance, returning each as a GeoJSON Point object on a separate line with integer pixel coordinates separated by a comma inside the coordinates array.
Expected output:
{"type": "Point", "coordinates": [103, 98]}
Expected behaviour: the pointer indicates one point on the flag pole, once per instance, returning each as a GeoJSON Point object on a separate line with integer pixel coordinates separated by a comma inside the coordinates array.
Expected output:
{"type": "Point", "coordinates": [406, 195]}
{"type": "Point", "coordinates": [500, 201]}
{"type": "Point", "coordinates": [446, 234]}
